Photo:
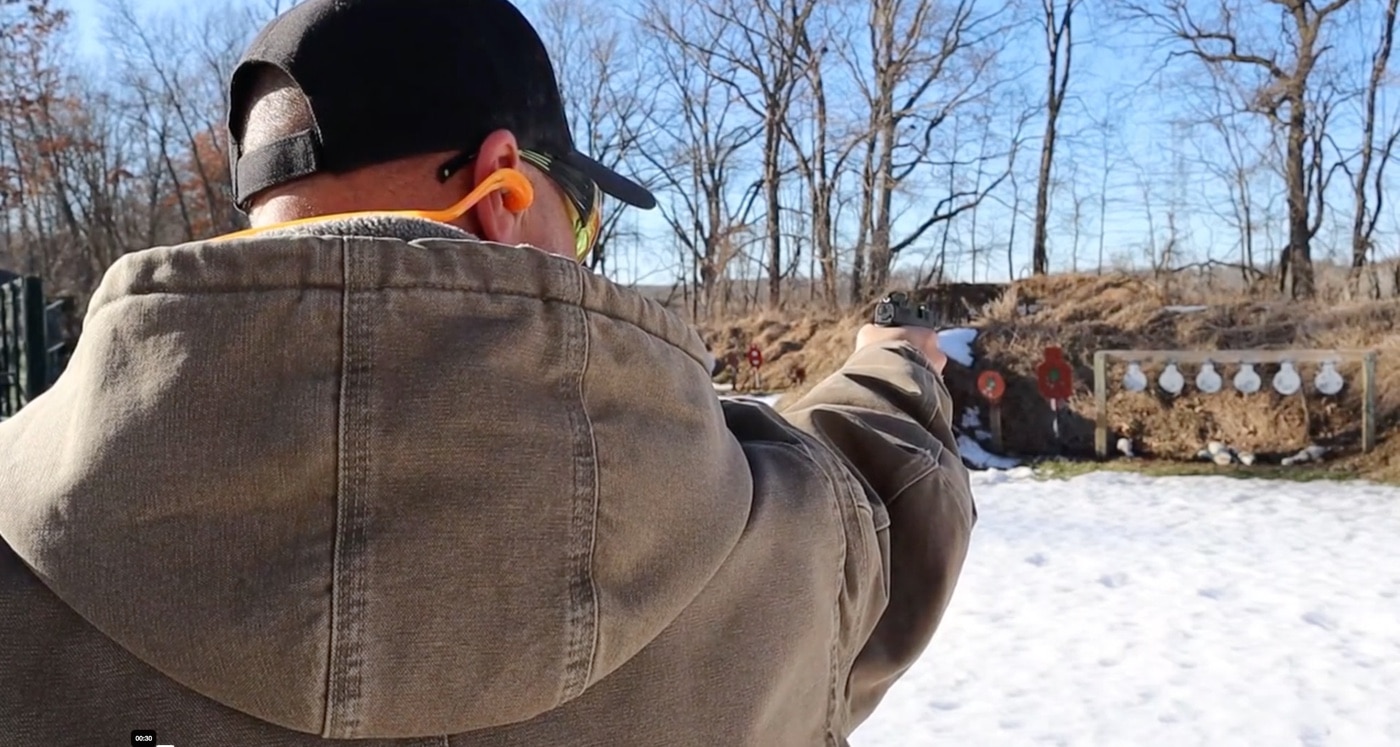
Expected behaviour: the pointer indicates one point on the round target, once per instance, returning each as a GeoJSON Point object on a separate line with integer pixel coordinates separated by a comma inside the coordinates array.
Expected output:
{"type": "Point", "coordinates": [992, 386]}
{"type": "Point", "coordinates": [1208, 379]}
{"type": "Point", "coordinates": [1328, 381]}
{"type": "Point", "coordinates": [1287, 381]}
{"type": "Point", "coordinates": [1247, 379]}
{"type": "Point", "coordinates": [1171, 380]}
{"type": "Point", "coordinates": [1134, 380]}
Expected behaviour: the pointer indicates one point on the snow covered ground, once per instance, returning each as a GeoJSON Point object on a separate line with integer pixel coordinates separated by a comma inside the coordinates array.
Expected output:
{"type": "Point", "coordinates": [1121, 610]}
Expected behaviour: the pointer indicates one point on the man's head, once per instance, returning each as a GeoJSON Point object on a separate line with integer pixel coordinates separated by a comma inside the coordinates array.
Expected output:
{"type": "Point", "coordinates": [370, 105]}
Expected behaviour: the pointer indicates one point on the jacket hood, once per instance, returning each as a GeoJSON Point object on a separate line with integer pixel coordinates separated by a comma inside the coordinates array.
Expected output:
{"type": "Point", "coordinates": [375, 485]}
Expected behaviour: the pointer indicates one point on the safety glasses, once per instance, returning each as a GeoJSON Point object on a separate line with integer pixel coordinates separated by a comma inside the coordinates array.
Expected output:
{"type": "Point", "coordinates": [585, 199]}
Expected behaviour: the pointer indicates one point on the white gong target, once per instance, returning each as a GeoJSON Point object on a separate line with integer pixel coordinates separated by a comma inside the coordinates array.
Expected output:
{"type": "Point", "coordinates": [1247, 379]}
{"type": "Point", "coordinates": [1208, 379]}
{"type": "Point", "coordinates": [1287, 381]}
{"type": "Point", "coordinates": [1328, 381]}
{"type": "Point", "coordinates": [1171, 379]}
{"type": "Point", "coordinates": [1134, 380]}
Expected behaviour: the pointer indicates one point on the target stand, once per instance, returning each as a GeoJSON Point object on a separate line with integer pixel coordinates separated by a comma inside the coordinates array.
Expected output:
{"type": "Point", "coordinates": [1246, 381]}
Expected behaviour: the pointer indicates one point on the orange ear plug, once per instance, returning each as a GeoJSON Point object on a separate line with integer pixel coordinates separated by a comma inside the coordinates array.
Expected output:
{"type": "Point", "coordinates": [517, 195]}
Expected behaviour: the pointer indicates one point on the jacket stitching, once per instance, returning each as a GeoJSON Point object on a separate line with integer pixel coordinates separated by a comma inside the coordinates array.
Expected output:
{"type": "Point", "coordinates": [582, 623]}
{"type": "Point", "coordinates": [835, 666]}
{"type": "Point", "coordinates": [348, 601]}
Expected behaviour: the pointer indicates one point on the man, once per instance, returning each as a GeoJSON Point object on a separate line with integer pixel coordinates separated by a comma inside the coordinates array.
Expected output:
{"type": "Point", "coordinates": [386, 471]}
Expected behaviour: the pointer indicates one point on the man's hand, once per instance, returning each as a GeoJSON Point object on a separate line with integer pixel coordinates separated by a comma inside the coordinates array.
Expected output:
{"type": "Point", "coordinates": [923, 338]}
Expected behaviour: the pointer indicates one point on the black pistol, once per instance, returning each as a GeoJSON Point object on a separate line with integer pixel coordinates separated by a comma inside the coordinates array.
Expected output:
{"type": "Point", "coordinates": [894, 310]}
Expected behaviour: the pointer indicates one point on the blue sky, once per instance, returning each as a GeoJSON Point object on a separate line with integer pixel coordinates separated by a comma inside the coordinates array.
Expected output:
{"type": "Point", "coordinates": [1117, 74]}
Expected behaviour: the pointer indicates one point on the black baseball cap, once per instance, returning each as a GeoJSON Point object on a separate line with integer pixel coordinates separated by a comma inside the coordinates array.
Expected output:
{"type": "Point", "coordinates": [387, 79]}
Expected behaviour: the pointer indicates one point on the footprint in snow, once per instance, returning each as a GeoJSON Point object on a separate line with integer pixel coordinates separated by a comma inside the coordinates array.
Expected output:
{"type": "Point", "coordinates": [1114, 580]}
{"type": "Point", "coordinates": [1320, 619]}
{"type": "Point", "coordinates": [1038, 559]}
{"type": "Point", "coordinates": [1312, 736]}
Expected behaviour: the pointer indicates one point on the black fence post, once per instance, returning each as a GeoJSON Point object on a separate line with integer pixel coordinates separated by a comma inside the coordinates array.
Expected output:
{"type": "Point", "coordinates": [28, 363]}
{"type": "Point", "coordinates": [11, 398]}
{"type": "Point", "coordinates": [36, 344]}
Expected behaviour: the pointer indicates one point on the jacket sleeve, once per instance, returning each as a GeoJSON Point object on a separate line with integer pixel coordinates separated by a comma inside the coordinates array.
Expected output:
{"type": "Point", "coordinates": [886, 416]}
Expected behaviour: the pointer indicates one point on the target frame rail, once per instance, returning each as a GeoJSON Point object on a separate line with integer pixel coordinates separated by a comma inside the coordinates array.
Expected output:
{"type": "Point", "coordinates": [1367, 358]}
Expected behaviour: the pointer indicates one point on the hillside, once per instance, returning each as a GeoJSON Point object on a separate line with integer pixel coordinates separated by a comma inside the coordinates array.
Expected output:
{"type": "Point", "coordinates": [1086, 313]}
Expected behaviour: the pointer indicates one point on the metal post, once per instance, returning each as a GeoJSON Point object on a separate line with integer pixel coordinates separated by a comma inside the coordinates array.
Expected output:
{"type": "Point", "coordinates": [36, 345]}
{"type": "Point", "coordinates": [1368, 402]}
{"type": "Point", "coordinates": [11, 383]}
{"type": "Point", "coordinates": [1101, 404]}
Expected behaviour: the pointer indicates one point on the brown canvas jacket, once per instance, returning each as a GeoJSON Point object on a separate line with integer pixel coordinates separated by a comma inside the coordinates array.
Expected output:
{"type": "Point", "coordinates": [383, 482]}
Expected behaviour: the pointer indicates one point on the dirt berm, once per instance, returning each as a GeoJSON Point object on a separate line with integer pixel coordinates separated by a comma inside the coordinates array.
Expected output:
{"type": "Point", "coordinates": [1083, 314]}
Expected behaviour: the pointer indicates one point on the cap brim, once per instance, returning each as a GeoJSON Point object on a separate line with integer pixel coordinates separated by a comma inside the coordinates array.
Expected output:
{"type": "Point", "coordinates": [611, 182]}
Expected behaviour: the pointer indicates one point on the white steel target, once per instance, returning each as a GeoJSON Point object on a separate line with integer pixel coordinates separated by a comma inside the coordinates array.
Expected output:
{"type": "Point", "coordinates": [1134, 380]}
{"type": "Point", "coordinates": [1287, 381]}
{"type": "Point", "coordinates": [1247, 379]}
{"type": "Point", "coordinates": [1208, 379]}
{"type": "Point", "coordinates": [1328, 381]}
{"type": "Point", "coordinates": [1171, 380]}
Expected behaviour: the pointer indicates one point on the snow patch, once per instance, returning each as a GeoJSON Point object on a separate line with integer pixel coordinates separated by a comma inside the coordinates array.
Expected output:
{"type": "Point", "coordinates": [957, 344]}
{"type": "Point", "coordinates": [1120, 609]}
{"type": "Point", "coordinates": [768, 399]}
{"type": "Point", "coordinates": [976, 456]}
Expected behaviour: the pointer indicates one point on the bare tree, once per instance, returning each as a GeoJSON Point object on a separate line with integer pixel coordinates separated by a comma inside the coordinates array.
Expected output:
{"type": "Point", "coordinates": [1280, 76]}
{"type": "Point", "coordinates": [1226, 130]}
{"type": "Point", "coordinates": [974, 249]}
{"type": "Point", "coordinates": [603, 95]}
{"type": "Point", "coordinates": [1015, 220]}
{"type": "Point", "coordinates": [822, 152]}
{"type": "Point", "coordinates": [940, 265]}
{"type": "Point", "coordinates": [1154, 249]}
{"type": "Point", "coordinates": [697, 134]}
{"type": "Point", "coordinates": [1106, 127]}
{"type": "Point", "coordinates": [36, 102]}
{"type": "Point", "coordinates": [927, 59]}
{"type": "Point", "coordinates": [1058, 23]}
{"type": "Point", "coordinates": [1019, 116]}
{"type": "Point", "coordinates": [163, 72]}
{"type": "Point", "coordinates": [1367, 195]}
{"type": "Point", "coordinates": [1074, 221]}
{"type": "Point", "coordinates": [762, 45]}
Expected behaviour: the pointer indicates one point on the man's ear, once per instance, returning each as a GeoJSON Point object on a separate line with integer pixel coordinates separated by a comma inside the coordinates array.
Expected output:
{"type": "Point", "coordinates": [498, 151]}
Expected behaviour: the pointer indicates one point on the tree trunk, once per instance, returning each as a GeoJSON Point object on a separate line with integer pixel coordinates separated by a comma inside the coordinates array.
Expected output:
{"type": "Point", "coordinates": [1298, 274]}
{"type": "Point", "coordinates": [1360, 235]}
{"type": "Point", "coordinates": [1058, 45]}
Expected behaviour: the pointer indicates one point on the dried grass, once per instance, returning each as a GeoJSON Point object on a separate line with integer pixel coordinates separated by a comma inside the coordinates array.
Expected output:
{"type": "Point", "coordinates": [1085, 313]}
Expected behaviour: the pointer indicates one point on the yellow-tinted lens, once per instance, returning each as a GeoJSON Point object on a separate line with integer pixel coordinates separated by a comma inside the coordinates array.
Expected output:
{"type": "Point", "coordinates": [582, 197]}
{"type": "Point", "coordinates": [586, 229]}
